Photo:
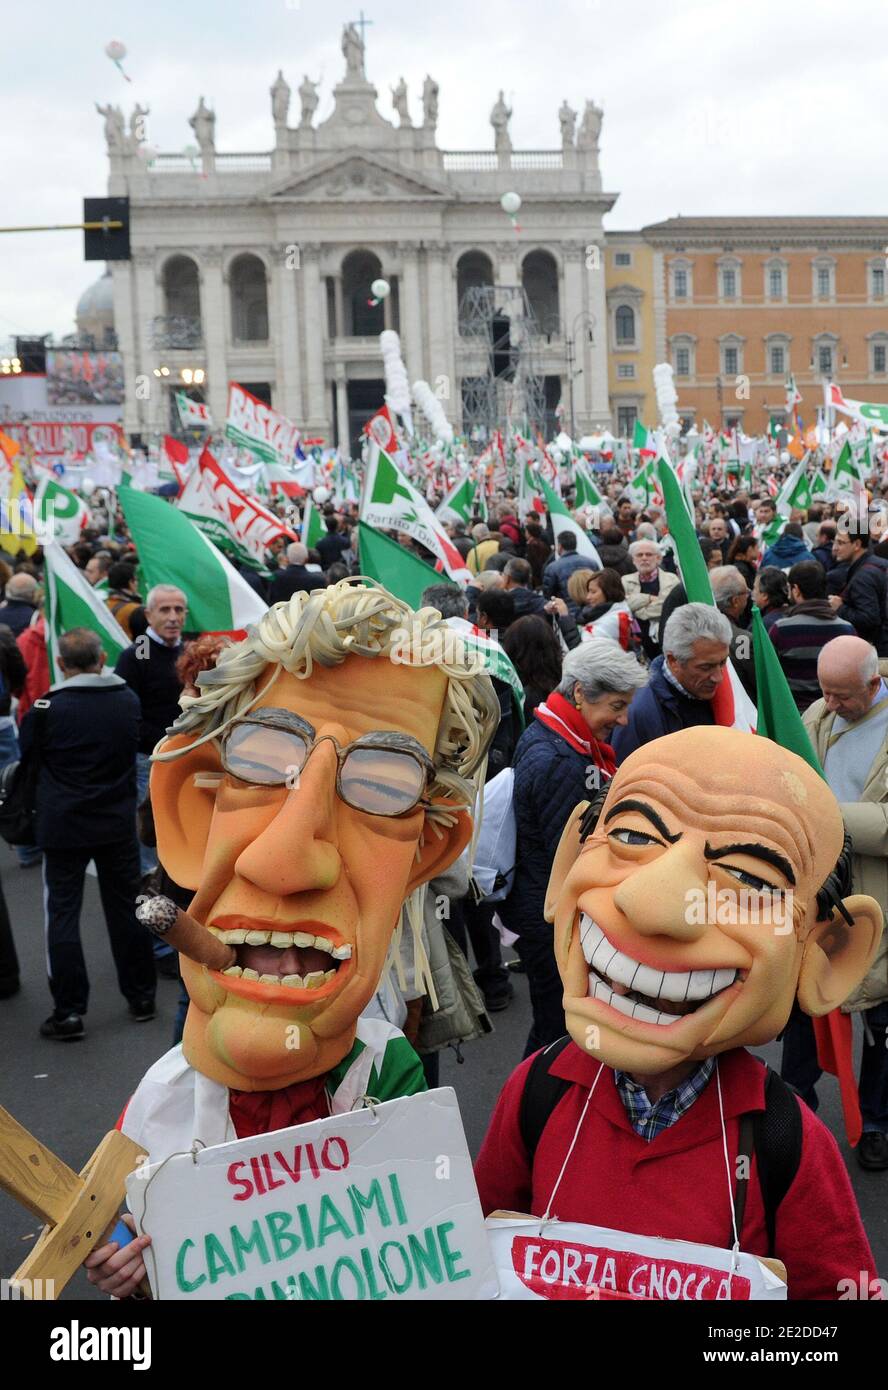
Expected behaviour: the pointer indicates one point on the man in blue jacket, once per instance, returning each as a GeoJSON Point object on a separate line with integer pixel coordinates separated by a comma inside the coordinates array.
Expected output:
{"type": "Point", "coordinates": [696, 643]}
{"type": "Point", "coordinates": [788, 549]}
{"type": "Point", "coordinates": [86, 744]}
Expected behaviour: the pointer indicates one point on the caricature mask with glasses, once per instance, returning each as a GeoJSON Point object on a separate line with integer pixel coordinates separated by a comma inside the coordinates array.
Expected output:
{"type": "Point", "coordinates": [311, 787]}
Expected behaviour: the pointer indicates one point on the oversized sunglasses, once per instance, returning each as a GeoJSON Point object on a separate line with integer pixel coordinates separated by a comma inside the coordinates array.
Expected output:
{"type": "Point", "coordinates": [383, 774]}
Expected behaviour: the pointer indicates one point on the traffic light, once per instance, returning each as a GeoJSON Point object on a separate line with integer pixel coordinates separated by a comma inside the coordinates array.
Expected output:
{"type": "Point", "coordinates": [106, 243]}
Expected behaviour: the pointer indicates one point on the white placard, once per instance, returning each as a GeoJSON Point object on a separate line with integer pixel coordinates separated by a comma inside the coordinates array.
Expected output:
{"type": "Point", "coordinates": [564, 1260]}
{"type": "Point", "coordinates": [377, 1204]}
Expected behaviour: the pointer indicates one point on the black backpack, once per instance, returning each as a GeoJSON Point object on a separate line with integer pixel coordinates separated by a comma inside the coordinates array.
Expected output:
{"type": "Point", "coordinates": [774, 1134]}
{"type": "Point", "coordinates": [18, 786]}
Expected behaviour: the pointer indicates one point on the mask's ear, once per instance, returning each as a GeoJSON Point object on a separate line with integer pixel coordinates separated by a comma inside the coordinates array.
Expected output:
{"type": "Point", "coordinates": [565, 856]}
{"type": "Point", "coordinates": [836, 956]}
{"type": "Point", "coordinates": [183, 796]}
{"type": "Point", "coordinates": [441, 845]}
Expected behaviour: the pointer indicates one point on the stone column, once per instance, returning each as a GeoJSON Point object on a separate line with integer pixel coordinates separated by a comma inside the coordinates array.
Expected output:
{"type": "Point", "coordinates": [597, 352]}
{"type": "Point", "coordinates": [411, 312]}
{"type": "Point", "coordinates": [440, 334]}
{"type": "Point", "coordinates": [314, 313]}
{"type": "Point", "coordinates": [338, 306]}
{"type": "Point", "coordinates": [284, 330]}
{"type": "Point", "coordinates": [134, 376]}
{"type": "Point", "coordinates": [342, 412]}
{"type": "Point", "coordinates": [146, 302]}
{"type": "Point", "coordinates": [214, 319]}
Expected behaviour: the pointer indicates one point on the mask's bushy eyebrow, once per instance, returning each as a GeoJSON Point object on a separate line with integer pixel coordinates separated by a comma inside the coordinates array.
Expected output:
{"type": "Point", "coordinates": [643, 809]}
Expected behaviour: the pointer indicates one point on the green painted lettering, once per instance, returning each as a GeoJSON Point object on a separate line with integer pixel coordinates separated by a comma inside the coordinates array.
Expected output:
{"type": "Point", "coordinates": [285, 1242]}
{"type": "Point", "coordinates": [367, 1261]}
{"type": "Point", "coordinates": [396, 1198]}
{"type": "Point", "coordinates": [187, 1285]}
{"type": "Point", "coordinates": [218, 1262]}
{"type": "Point", "coordinates": [407, 1276]}
{"type": "Point", "coordinates": [342, 1265]}
{"type": "Point", "coordinates": [320, 1290]}
{"type": "Point", "coordinates": [305, 1223]}
{"type": "Point", "coordinates": [241, 1246]}
{"type": "Point", "coordinates": [331, 1221]}
{"type": "Point", "coordinates": [425, 1257]}
{"type": "Point", "coordinates": [450, 1256]}
{"type": "Point", "coordinates": [360, 1204]}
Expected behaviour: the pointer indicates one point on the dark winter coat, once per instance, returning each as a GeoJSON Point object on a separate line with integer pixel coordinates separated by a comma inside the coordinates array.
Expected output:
{"type": "Point", "coordinates": [864, 600]}
{"type": "Point", "coordinates": [657, 710]}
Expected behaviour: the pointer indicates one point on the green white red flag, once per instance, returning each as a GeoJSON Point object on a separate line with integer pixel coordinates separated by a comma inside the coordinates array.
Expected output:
{"type": "Point", "coordinates": [250, 525]}
{"type": "Point", "coordinates": [872, 413]}
{"type": "Point", "coordinates": [173, 551]}
{"type": "Point", "coordinates": [731, 705]}
{"type": "Point", "coordinates": [59, 514]}
{"type": "Point", "coordinates": [71, 601]}
{"type": "Point", "coordinates": [392, 503]}
{"type": "Point", "coordinates": [193, 413]}
{"type": "Point", "coordinates": [563, 521]}
{"type": "Point", "coordinates": [459, 504]}
{"type": "Point", "coordinates": [257, 427]}
{"type": "Point", "coordinates": [643, 440]}
{"type": "Point", "coordinates": [312, 528]}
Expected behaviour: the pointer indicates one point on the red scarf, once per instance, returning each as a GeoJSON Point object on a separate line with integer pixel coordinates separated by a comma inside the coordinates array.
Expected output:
{"type": "Point", "coordinates": [261, 1112]}
{"type": "Point", "coordinates": [566, 720]}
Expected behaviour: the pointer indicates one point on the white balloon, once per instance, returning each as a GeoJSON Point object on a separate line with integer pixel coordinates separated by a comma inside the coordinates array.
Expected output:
{"type": "Point", "coordinates": [785, 456]}
{"type": "Point", "coordinates": [380, 289]}
{"type": "Point", "coordinates": [147, 152]}
{"type": "Point", "coordinates": [115, 50]}
{"type": "Point", "coordinates": [772, 460]}
{"type": "Point", "coordinates": [87, 487]}
{"type": "Point", "coordinates": [321, 494]}
{"type": "Point", "coordinates": [510, 203]}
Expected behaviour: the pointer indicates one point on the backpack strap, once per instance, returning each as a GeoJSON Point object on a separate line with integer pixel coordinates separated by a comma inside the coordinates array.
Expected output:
{"type": "Point", "coordinates": [774, 1135]}
{"type": "Point", "coordinates": [541, 1094]}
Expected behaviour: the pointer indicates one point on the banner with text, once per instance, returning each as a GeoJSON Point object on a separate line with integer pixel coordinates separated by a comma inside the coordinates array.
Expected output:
{"type": "Point", "coordinates": [255, 425]}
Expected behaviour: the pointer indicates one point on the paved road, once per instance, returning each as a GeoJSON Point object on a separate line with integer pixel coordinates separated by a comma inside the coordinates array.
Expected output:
{"type": "Point", "coordinates": [69, 1094]}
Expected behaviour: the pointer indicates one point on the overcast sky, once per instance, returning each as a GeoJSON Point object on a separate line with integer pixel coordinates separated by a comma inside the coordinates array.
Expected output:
{"type": "Point", "coordinates": [711, 106]}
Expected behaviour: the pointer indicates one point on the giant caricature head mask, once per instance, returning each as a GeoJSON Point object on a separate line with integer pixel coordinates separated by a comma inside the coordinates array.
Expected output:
{"type": "Point", "coordinates": [686, 922]}
{"type": "Point", "coordinates": [320, 778]}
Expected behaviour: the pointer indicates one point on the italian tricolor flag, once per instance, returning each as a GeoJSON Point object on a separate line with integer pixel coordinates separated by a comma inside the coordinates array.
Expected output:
{"type": "Point", "coordinates": [870, 412]}
{"type": "Point", "coordinates": [193, 413]}
{"type": "Point", "coordinates": [563, 521]}
{"type": "Point", "coordinates": [71, 601]}
{"type": "Point", "coordinates": [459, 503]}
{"type": "Point", "coordinates": [173, 551]}
{"type": "Point", "coordinates": [643, 440]}
{"type": "Point", "coordinates": [731, 705]}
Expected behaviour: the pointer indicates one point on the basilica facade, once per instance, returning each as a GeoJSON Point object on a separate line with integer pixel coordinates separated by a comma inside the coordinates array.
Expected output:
{"type": "Point", "coordinates": [258, 267]}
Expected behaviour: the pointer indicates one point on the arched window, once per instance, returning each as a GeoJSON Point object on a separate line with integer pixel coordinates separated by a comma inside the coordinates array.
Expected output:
{"type": "Point", "coordinates": [473, 271]}
{"type": "Point", "coordinates": [362, 319]}
{"type": "Point", "coordinates": [624, 320]}
{"type": "Point", "coordinates": [249, 300]}
{"type": "Point", "coordinates": [539, 275]}
{"type": "Point", "coordinates": [181, 288]}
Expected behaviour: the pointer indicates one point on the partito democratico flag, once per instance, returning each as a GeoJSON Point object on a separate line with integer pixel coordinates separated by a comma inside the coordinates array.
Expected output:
{"type": "Point", "coordinates": [59, 514]}
{"type": "Point", "coordinates": [391, 503]}
{"type": "Point", "coordinates": [71, 601]}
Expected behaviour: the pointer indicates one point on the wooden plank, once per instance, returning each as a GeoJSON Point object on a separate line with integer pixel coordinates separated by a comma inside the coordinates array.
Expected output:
{"type": "Point", "coordinates": [33, 1175]}
{"type": "Point", "coordinates": [61, 1251]}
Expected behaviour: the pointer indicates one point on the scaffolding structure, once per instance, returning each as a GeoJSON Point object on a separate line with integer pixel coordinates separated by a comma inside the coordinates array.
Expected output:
{"type": "Point", "coordinates": [497, 330]}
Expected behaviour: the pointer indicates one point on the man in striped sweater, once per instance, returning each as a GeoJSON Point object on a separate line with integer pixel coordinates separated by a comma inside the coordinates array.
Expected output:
{"type": "Point", "coordinates": [802, 634]}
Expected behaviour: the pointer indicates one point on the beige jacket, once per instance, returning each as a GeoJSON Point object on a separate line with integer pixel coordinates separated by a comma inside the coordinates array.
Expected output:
{"type": "Point", "coordinates": [648, 607]}
{"type": "Point", "coordinates": [867, 823]}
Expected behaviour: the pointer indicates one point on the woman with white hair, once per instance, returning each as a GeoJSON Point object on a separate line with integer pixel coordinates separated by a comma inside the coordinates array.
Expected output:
{"type": "Point", "coordinates": [562, 758]}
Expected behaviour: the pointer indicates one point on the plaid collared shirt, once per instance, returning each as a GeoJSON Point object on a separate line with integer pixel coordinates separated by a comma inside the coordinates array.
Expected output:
{"type": "Point", "coordinates": [650, 1120]}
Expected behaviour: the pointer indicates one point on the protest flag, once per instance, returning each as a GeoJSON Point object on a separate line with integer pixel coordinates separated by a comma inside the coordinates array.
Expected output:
{"type": "Point", "coordinates": [459, 503]}
{"type": "Point", "coordinates": [563, 521]}
{"type": "Point", "coordinates": [396, 568]}
{"type": "Point", "coordinates": [587, 494]}
{"type": "Point", "coordinates": [16, 505]}
{"type": "Point", "coordinates": [731, 705]}
{"type": "Point", "coordinates": [312, 528]}
{"type": "Point", "coordinates": [392, 503]}
{"type": "Point", "coordinates": [778, 715]}
{"type": "Point", "coordinates": [59, 514]}
{"type": "Point", "coordinates": [872, 413]}
{"type": "Point", "coordinates": [173, 551]}
{"type": "Point", "coordinates": [193, 413]}
{"type": "Point", "coordinates": [71, 601]}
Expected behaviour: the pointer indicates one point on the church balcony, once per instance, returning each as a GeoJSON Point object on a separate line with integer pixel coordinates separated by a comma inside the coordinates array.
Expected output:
{"type": "Point", "coordinates": [488, 161]}
{"type": "Point", "coordinates": [224, 163]}
{"type": "Point", "coordinates": [176, 331]}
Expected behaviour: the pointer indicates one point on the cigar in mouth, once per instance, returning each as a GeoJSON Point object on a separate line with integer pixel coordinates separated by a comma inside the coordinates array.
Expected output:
{"type": "Point", "coordinates": [162, 917]}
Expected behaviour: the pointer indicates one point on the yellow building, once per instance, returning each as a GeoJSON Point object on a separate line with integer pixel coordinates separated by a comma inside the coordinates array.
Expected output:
{"type": "Point", "coordinates": [631, 330]}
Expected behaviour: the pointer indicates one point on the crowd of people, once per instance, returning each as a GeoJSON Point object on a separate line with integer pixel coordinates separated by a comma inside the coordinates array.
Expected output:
{"type": "Point", "coordinates": [609, 654]}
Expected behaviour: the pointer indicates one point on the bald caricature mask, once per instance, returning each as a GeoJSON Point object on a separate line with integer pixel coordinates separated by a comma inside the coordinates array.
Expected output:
{"type": "Point", "coordinates": [322, 775]}
{"type": "Point", "coordinates": [686, 922]}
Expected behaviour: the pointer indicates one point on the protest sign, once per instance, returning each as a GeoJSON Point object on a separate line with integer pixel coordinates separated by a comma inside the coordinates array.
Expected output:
{"type": "Point", "coordinates": [566, 1260]}
{"type": "Point", "coordinates": [379, 1203]}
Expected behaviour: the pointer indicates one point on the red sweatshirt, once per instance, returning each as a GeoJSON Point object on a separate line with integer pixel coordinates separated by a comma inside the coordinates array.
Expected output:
{"type": "Point", "coordinates": [676, 1185]}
